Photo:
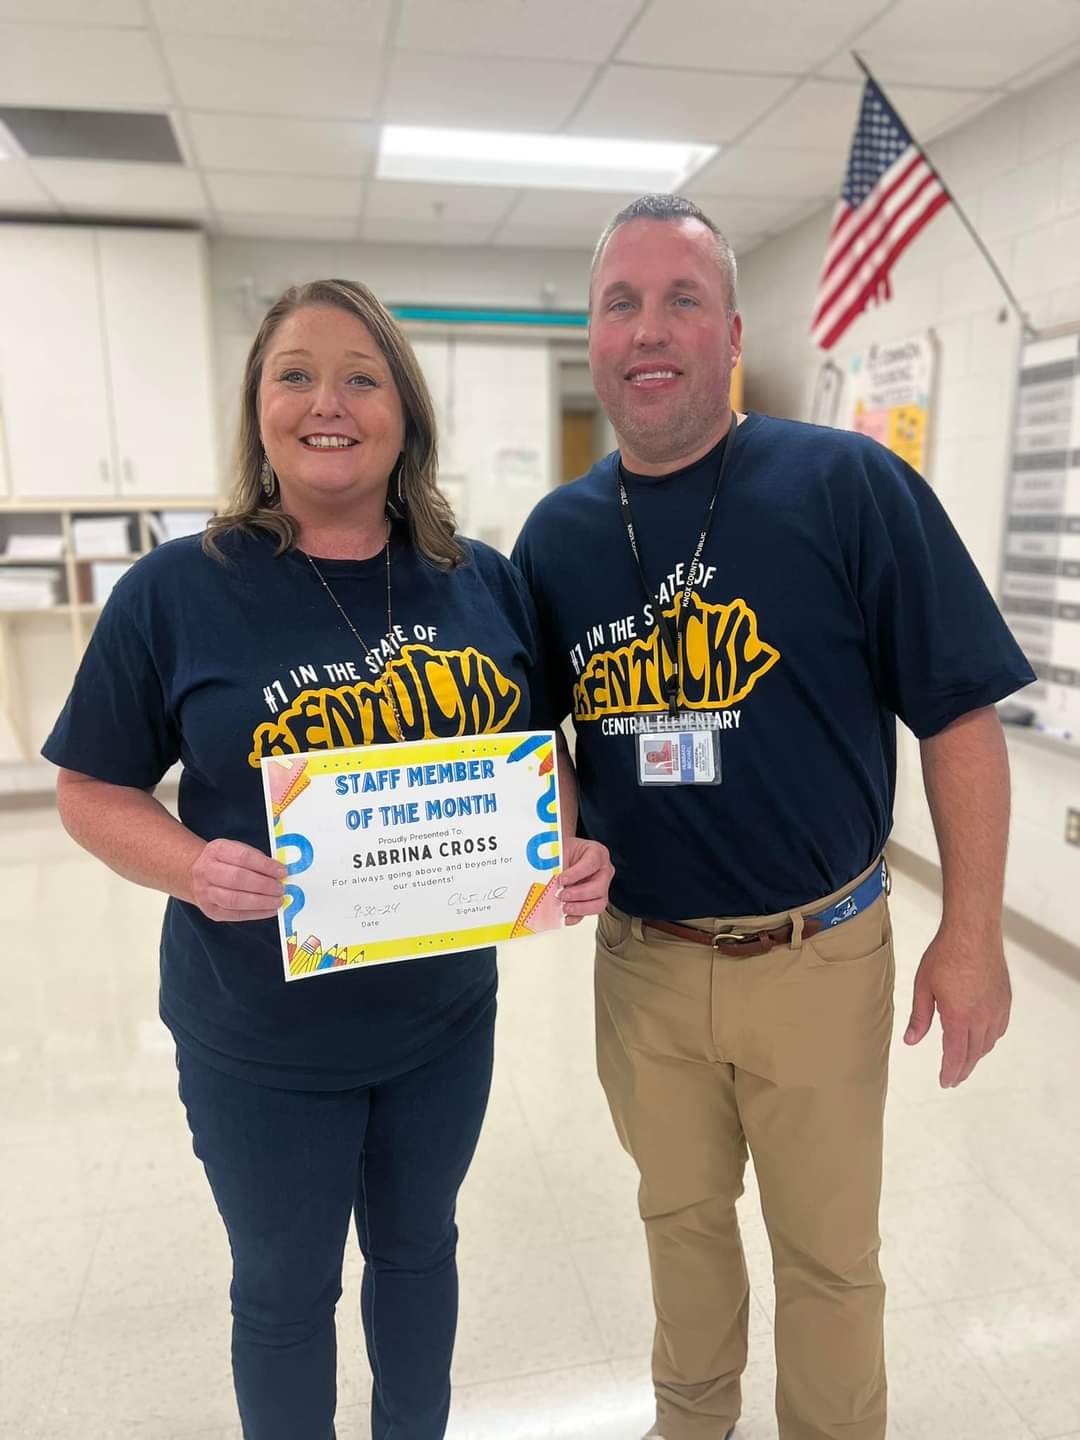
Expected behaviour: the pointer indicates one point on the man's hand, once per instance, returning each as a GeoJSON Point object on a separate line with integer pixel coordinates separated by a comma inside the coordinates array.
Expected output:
{"type": "Point", "coordinates": [232, 881]}
{"type": "Point", "coordinates": [583, 885]}
{"type": "Point", "coordinates": [967, 980]}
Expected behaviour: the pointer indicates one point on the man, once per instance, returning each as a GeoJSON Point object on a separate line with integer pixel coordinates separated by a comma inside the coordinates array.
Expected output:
{"type": "Point", "coordinates": [735, 609]}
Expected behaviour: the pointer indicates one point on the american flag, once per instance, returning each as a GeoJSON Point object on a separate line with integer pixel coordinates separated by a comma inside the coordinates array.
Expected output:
{"type": "Point", "coordinates": [890, 192]}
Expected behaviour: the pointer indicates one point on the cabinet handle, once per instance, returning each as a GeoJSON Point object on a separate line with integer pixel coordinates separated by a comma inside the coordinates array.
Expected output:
{"type": "Point", "coordinates": [103, 467]}
{"type": "Point", "coordinates": [129, 473]}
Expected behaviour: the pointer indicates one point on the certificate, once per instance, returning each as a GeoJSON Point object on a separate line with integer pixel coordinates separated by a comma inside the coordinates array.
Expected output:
{"type": "Point", "coordinates": [428, 847]}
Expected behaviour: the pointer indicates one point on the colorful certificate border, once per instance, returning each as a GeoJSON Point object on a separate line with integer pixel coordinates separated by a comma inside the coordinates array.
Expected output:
{"type": "Point", "coordinates": [285, 778]}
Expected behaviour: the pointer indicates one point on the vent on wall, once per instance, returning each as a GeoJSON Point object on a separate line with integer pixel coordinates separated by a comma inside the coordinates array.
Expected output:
{"type": "Point", "coordinates": [92, 135]}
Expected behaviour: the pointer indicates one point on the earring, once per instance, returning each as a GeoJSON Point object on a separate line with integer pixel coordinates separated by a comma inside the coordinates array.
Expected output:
{"type": "Point", "coordinates": [395, 494]}
{"type": "Point", "coordinates": [267, 478]}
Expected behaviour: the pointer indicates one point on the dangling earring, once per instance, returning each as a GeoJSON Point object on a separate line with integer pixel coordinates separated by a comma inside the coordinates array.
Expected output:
{"type": "Point", "coordinates": [395, 494]}
{"type": "Point", "coordinates": [267, 478]}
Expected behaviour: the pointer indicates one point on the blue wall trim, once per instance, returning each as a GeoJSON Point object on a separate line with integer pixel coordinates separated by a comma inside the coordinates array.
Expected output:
{"type": "Point", "coordinates": [465, 315]}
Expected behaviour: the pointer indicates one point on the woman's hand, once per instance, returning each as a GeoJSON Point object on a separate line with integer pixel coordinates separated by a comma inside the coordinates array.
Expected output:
{"type": "Point", "coordinates": [584, 882]}
{"type": "Point", "coordinates": [233, 881]}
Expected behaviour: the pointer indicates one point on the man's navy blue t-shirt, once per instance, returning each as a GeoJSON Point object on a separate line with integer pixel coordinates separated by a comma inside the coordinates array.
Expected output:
{"type": "Point", "coordinates": [834, 595]}
{"type": "Point", "coordinates": [219, 664]}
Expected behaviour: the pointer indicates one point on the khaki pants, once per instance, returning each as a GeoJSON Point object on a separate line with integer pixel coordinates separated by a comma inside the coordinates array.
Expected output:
{"type": "Point", "coordinates": [702, 1056]}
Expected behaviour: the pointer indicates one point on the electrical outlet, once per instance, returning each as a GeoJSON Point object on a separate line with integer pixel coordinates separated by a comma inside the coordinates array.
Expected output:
{"type": "Point", "coordinates": [1072, 827]}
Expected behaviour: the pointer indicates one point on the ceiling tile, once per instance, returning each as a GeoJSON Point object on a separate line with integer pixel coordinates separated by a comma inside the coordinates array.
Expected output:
{"type": "Point", "coordinates": [108, 189]}
{"type": "Point", "coordinates": [586, 211]}
{"type": "Point", "coordinates": [631, 100]}
{"type": "Point", "coordinates": [317, 22]}
{"type": "Point", "coordinates": [534, 237]}
{"type": "Point", "coordinates": [737, 216]}
{"type": "Point", "coordinates": [19, 190]}
{"type": "Point", "coordinates": [416, 232]}
{"type": "Point", "coordinates": [470, 92]}
{"type": "Point", "coordinates": [274, 77]}
{"type": "Point", "coordinates": [239, 194]}
{"type": "Point", "coordinates": [535, 29]}
{"type": "Point", "coordinates": [282, 146]}
{"type": "Point", "coordinates": [105, 69]}
{"type": "Point", "coordinates": [823, 113]}
{"type": "Point", "coordinates": [787, 38]}
{"type": "Point", "coordinates": [74, 12]}
{"type": "Point", "coordinates": [798, 174]}
{"type": "Point", "coordinates": [1059, 61]}
{"type": "Point", "coordinates": [285, 227]}
{"type": "Point", "coordinates": [926, 42]}
{"type": "Point", "coordinates": [454, 204]}
{"type": "Point", "coordinates": [742, 241]}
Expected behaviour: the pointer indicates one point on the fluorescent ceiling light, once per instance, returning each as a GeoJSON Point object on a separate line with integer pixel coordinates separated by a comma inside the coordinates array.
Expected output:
{"type": "Point", "coordinates": [557, 162]}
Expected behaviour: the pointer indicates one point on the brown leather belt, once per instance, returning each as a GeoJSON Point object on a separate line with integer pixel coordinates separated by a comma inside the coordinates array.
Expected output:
{"type": "Point", "coordinates": [726, 942]}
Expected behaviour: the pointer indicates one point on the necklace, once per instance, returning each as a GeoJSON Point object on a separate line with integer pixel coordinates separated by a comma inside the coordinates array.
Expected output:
{"type": "Point", "coordinates": [389, 689]}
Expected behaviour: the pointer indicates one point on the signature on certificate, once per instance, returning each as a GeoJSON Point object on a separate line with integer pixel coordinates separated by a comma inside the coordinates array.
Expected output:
{"type": "Point", "coordinates": [477, 897]}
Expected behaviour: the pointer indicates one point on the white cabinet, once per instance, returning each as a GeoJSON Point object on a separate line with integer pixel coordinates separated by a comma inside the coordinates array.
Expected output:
{"type": "Point", "coordinates": [157, 333]}
{"type": "Point", "coordinates": [53, 388]}
{"type": "Point", "coordinates": [105, 363]}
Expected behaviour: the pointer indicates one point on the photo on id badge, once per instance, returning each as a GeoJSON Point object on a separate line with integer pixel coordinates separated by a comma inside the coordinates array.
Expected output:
{"type": "Point", "coordinates": [683, 757]}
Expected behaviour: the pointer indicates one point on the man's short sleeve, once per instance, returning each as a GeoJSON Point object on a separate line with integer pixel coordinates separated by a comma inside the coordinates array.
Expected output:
{"type": "Point", "coordinates": [551, 679]}
{"type": "Point", "coordinates": [116, 724]}
{"type": "Point", "coordinates": [938, 644]}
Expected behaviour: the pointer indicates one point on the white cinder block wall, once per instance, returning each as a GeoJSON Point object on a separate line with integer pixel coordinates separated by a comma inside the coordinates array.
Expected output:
{"type": "Point", "coordinates": [1016, 171]}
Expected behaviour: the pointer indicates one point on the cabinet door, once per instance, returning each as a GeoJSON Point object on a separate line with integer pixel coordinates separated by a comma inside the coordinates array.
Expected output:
{"type": "Point", "coordinates": [155, 307]}
{"type": "Point", "coordinates": [53, 390]}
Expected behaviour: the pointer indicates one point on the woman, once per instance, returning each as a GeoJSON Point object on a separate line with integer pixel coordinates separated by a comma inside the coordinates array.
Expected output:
{"type": "Point", "coordinates": [331, 604]}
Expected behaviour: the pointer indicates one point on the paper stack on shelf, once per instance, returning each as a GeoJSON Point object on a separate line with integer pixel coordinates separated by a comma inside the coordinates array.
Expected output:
{"type": "Point", "coordinates": [35, 547]}
{"type": "Point", "coordinates": [29, 588]}
{"type": "Point", "coordinates": [96, 535]}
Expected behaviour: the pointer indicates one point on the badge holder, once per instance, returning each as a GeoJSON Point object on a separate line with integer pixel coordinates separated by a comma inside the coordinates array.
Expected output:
{"type": "Point", "coordinates": [679, 756]}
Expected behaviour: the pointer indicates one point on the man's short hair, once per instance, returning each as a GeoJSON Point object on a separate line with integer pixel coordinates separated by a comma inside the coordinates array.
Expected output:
{"type": "Point", "coordinates": [670, 207]}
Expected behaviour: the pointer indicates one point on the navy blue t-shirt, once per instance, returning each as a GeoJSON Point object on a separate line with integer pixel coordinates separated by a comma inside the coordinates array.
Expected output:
{"type": "Point", "coordinates": [219, 664]}
{"type": "Point", "coordinates": [834, 595]}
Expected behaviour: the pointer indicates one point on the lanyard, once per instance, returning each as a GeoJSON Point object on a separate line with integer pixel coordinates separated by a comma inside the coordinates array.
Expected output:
{"type": "Point", "coordinates": [668, 632]}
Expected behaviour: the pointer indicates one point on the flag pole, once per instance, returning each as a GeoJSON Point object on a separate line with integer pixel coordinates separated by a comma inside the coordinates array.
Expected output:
{"type": "Point", "coordinates": [1025, 323]}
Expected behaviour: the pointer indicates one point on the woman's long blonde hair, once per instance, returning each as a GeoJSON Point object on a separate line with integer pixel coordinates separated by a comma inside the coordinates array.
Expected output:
{"type": "Point", "coordinates": [430, 518]}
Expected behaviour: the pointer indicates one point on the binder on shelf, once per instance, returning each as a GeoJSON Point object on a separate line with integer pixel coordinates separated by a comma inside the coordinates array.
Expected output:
{"type": "Point", "coordinates": [103, 576]}
{"type": "Point", "coordinates": [40, 546]}
{"type": "Point", "coordinates": [172, 524]}
{"type": "Point", "coordinates": [98, 535]}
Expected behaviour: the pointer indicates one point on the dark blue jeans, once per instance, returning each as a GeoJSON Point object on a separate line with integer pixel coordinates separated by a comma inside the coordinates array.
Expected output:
{"type": "Point", "coordinates": [288, 1168]}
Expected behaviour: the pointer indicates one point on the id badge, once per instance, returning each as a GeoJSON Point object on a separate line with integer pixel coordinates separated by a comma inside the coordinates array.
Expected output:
{"type": "Point", "coordinates": [679, 757]}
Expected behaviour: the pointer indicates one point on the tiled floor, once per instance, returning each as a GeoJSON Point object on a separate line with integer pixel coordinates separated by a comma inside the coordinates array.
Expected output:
{"type": "Point", "coordinates": [113, 1265]}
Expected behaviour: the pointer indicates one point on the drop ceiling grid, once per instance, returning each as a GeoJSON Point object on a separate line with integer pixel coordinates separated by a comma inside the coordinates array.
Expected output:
{"type": "Point", "coordinates": [255, 88]}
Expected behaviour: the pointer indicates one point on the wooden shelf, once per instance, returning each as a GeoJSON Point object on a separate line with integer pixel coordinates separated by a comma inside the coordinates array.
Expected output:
{"type": "Point", "coordinates": [38, 560]}
{"type": "Point", "coordinates": [25, 628]}
{"type": "Point", "coordinates": [116, 505]}
{"type": "Point", "coordinates": [6, 614]}
{"type": "Point", "coordinates": [132, 555]}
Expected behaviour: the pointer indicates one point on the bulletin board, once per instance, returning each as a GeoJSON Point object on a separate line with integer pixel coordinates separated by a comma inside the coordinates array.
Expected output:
{"type": "Point", "coordinates": [1040, 580]}
{"type": "Point", "coordinates": [887, 395]}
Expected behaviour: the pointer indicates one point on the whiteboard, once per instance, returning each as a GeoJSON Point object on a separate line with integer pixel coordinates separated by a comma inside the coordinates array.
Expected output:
{"type": "Point", "coordinates": [1040, 577]}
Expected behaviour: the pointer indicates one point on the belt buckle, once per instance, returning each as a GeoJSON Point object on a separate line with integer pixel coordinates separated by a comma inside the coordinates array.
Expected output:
{"type": "Point", "coordinates": [732, 937]}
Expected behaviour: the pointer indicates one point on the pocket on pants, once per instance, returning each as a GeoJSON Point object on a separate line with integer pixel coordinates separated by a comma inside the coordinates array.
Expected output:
{"type": "Point", "coordinates": [866, 937]}
{"type": "Point", "coordinates": [612, 931]}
